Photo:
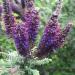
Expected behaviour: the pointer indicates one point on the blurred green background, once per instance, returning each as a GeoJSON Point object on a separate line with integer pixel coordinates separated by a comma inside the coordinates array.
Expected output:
{"type": "Point", "coordinates": [63, 62]}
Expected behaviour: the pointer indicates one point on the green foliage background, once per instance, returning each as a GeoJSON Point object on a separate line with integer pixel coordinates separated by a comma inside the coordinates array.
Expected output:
{"type": "Point", "coordinates": [60, 63]}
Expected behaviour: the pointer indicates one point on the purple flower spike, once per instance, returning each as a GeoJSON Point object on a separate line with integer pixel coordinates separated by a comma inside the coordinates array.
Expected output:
{"type": "Point", "coordinates": [32, 19]}
{"type": "Point", "coordinates": [51, 34]}
{"type": "Point", "coordinates": [52, 39]}
{"type": "Point", "coordinates": [8, 17]}
{"type": "Point", "coordinates": [20, 36]}
{"type": "Point", "coordinates": [49, 39]}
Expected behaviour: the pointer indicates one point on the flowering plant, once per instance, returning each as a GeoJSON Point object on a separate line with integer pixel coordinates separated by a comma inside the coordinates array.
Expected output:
{"type": "Point", "coordinates": [25, 33]}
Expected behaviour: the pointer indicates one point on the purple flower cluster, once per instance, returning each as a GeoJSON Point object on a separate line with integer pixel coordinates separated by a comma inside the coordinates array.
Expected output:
{"type": "Point", "coordinates": [20, 37]}
{"type": "Point", "coordinates": [52, 38]}
{"type": "Point", "coordinates": [49, 39]}
{"type": "Point", "coordinates": [25, 33]}
{"type": "Point", "coordinates": [32, 19]}
{"type": "Point", "coordinates": [8, 17]}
